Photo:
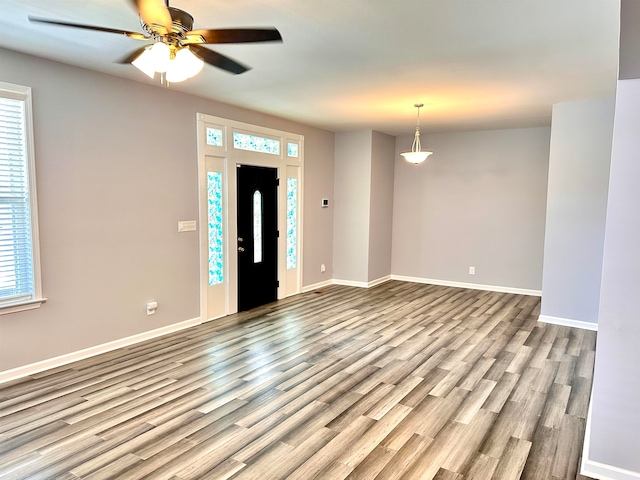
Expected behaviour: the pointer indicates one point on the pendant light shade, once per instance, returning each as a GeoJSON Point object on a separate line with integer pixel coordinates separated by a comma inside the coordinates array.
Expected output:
{"type": "Point", "coordinates": [416, 155]}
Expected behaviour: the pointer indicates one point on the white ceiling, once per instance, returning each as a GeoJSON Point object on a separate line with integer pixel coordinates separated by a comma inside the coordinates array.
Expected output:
{"type": "Point", "coordinates": [362, 64]}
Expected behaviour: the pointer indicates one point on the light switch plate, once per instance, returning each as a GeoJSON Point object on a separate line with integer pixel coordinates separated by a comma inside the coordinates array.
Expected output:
{"type": "Point", "coordinates": [187, 226]}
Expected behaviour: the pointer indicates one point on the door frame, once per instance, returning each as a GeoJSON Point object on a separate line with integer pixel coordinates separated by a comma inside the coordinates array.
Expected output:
{"type": "Point", "coordinates": [228, 157]}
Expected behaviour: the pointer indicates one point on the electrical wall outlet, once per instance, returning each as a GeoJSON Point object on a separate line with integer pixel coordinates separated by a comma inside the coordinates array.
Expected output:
{"type": "Point", "coordinates": [152, 307]}
{"type": "Point", "coordinates": [472, 270]}
{"type": "Point", "coordinates": [323, 268]}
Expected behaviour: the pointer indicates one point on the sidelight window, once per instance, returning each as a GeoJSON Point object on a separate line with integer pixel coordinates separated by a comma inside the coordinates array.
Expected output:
{"type": "Point", "coordinates": [292, 207]}
{"type": "Point", "coordinates": [214, 214]}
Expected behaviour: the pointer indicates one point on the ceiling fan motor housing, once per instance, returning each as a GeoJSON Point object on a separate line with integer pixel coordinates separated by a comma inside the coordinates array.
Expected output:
{"type": "Point", "coordinates": [182, 22]}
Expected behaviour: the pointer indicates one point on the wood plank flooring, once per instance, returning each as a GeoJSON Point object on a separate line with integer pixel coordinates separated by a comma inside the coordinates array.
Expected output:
{"type": "Point", "coordinates": [400, 381]}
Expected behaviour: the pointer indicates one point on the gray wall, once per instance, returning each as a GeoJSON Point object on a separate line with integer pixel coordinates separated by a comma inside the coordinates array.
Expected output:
{"type": "Point", "coordinates": [116, 169]}
{"type": "Point", "coordinates": [479, 200]}
{"type": "Point", "coordinates": [352, 190]}
{"type": "Point", "coordinates": [615, 418]}
{"type": "Point", "coordinates": [363, 189]}
{"type": "Point", "coordinates": [629, 64]}
{"type": "Point", "coordinates": [579, 163]}
{"type": "Point", "coordinates": [381, 205]}
{"type": "Point", "coordinates": [318, 222]}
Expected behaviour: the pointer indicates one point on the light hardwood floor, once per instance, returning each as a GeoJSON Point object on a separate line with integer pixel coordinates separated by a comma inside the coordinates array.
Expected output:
{"type": "Point", "coordinates": [400, 381]}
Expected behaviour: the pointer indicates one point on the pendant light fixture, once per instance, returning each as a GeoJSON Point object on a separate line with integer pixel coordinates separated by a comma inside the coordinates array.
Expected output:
{"type": "Point", "coordinates": [416, 156]}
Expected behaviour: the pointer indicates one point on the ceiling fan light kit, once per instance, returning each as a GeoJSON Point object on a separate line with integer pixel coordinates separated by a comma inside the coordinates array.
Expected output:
{"type": "Point", "coordinates": [172, 64]}
{"type": "Point", "coordinates": [184, 65]}
{"type": "Point", "coordinates": [168, 56]}
{"type": "Point", "coordinates": [153, 59]}
{"type": "Point", "coordinates": [177, 52]}
{"type": "Point", "coordinates": [416, 155]}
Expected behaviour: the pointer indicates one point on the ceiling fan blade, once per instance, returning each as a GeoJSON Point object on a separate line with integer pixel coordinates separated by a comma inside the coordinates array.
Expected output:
{"type": "Point", "coordinates": [234, 35]}
{"type": "Point", "coordinates": [132, 56]}
{"type": "Point", "coordinates": [218, 60]}
{"type": "Point", "coordinates": [155, 14]}
{"type": "Point", "coordinates": [136, 35]}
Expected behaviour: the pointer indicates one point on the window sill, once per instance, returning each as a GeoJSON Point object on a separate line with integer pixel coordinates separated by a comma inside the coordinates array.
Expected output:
{"type": "Point", "coordinates": [21, 306]}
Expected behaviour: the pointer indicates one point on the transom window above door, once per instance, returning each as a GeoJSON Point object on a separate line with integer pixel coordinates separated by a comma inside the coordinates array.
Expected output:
{"type": "Point", "coordinates": [254, 143]}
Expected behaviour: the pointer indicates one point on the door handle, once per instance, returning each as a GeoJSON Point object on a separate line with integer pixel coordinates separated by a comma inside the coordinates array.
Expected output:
{"type": "Point", "coordinates": [240, 249]}
{"type": "Point", "coordinates": [240, 239]}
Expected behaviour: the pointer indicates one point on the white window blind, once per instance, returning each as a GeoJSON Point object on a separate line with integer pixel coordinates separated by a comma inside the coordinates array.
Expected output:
{"type": "Point", "coordinates": [18, 280]}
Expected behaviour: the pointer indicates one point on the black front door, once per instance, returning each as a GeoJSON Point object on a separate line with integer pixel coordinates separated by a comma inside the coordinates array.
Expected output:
{"type": "Point", "coordinates": [257, 236]}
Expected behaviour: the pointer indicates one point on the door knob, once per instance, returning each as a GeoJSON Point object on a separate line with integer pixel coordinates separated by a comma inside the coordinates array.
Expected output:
{"type": "Point", "coordinates": [240, 249]}
{"type": "Point", "coordinates": [240, 239]}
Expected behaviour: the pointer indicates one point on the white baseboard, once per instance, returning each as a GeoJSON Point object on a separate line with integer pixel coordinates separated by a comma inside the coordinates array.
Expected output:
{"type": "Point", "coordinates": [378, 281]}
{"type": "Point", "coordinates": [350, 283]}
{"type": "Point", "coordinates": [403, 278]}
{"type": "Point", "coordinates": [601, 471]}
{"type": "Point", "coordinates": [61, 360]}
{"type": "Point", "coordinates": [568, 322]}
{"type": "Point", "coordinates": [473, 286]}
{"type": "Point", "coordinates": [315, 286]}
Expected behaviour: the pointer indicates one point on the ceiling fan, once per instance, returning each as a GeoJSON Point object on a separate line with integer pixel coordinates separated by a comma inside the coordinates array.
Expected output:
{"type": "Point", "coordinates": [177, 51]}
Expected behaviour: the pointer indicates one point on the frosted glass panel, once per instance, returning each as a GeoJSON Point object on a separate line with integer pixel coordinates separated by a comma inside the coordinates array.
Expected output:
{"type": "Point", "coordinates": [214, 214]}
{"type": "Point", "coordinates": [214, 137]}
{"type": "Point", "coordinates": [253, 143]}
{"type": "Point", "coordinates": [292, 207]}
{"type": "Point", "coordinates": [292, 149]}
{"type": "Point", "coordinates": [257, 227]}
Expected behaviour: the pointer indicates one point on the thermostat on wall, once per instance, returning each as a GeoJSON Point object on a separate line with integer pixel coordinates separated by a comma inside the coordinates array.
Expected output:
{"type": "Point", "coordinates": [325, 202]}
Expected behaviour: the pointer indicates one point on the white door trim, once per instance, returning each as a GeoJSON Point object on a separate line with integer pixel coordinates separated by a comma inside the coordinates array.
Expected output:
{"type": "Point", "coordinates": [290, 280]}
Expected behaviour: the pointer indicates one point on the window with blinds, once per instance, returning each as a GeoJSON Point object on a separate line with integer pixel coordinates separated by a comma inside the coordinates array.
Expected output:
{"type": "Point", "coordinates": [19, 269]}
